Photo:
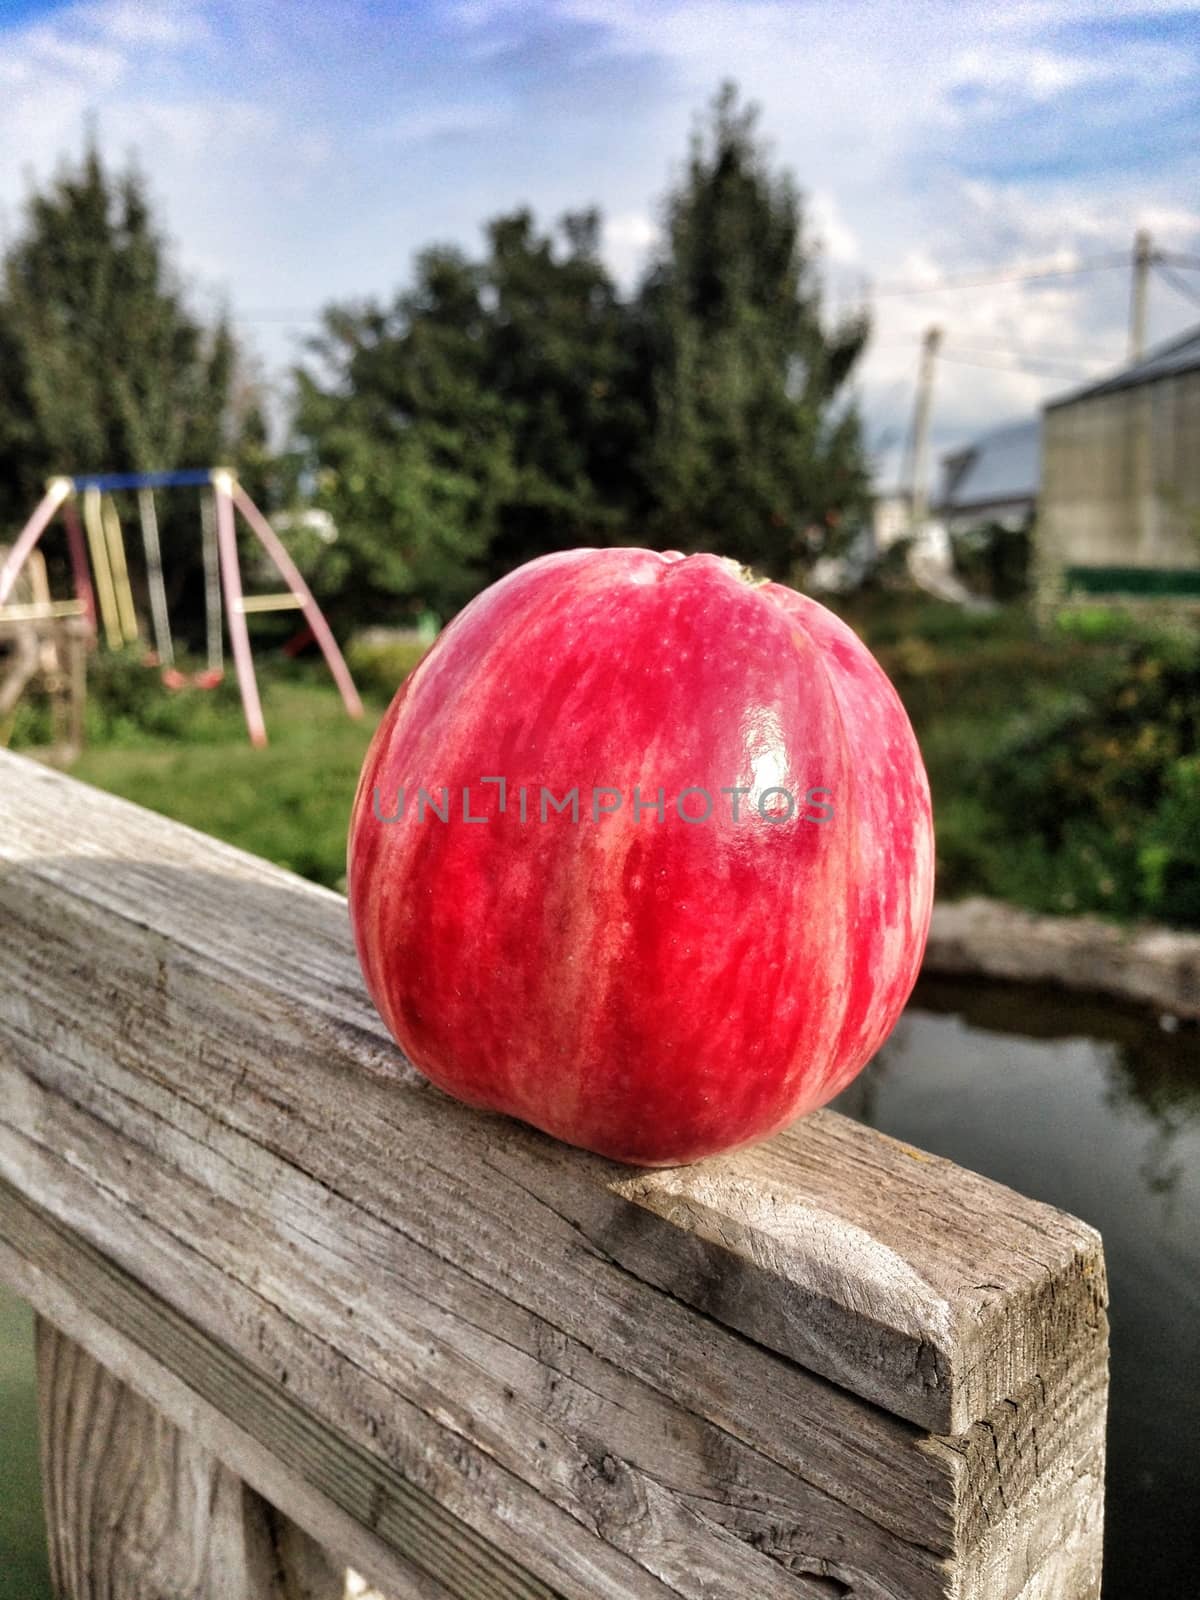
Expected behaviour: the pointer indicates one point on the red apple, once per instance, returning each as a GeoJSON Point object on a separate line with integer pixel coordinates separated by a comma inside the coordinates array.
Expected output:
{"type": "Point", "coordinates": [655, 982]}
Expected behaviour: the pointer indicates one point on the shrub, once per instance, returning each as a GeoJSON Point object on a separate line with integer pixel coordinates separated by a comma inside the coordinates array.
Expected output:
{"type": "Point", "coordinates": [993, 560]}
{"type": "Point", "coordinates": [1095, 793]}
{"type": "Point", "coordinates": [1095, 623]}
{"type": "Point", "coordinates": [127, 702]}
{"type": "Point", "coordinates": [1169, 860]}
{"type": "Point", "coordinates": [381, 661]}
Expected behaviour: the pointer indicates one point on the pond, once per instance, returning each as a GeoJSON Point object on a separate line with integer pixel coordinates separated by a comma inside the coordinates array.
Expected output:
{"type": "Point", "coordinates": [1085, 1104]}
{"type": "Point", "coordinates": [1095, 1108]}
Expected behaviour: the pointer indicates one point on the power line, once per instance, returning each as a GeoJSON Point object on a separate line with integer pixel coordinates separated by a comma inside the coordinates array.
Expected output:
{"type": "Point", "coordinates": [1185, 289]}
{"type": "Point", "coordinates": [1044, 355]}
{"type": "Point", "coordinates": [1049, 369]}
{"type": "Point", "coordinates": [1174, 259]}
{"type": "Point", "coordinates": [983, 280]}
{"type": "Point", "coordinates": [1045, 352]}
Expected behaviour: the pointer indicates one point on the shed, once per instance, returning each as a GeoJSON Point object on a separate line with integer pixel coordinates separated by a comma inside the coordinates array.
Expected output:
{"type": "Point", "coordinates": [993, 479]}
{"type": "Point", "coordinates": [1120, 498]}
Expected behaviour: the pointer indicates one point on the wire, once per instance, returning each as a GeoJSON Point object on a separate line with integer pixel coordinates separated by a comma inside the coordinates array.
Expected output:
{"type": "Point", "coordinates": [1043, 352]}
{"type": "Point", "coordinates": [1053, 369]}
{"type": "Point", "coordinates": [1185, 289]}
{"type": "Point", "coordinates": [1046, 358]}
{"type": "Point", "coordinates": [1037, 275]}
{"type": "Point", "coordinates": [1176, 260]}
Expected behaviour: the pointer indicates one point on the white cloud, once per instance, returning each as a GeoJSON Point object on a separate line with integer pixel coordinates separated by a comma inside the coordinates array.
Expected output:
{"type": "Point", "coordinates": [302, 154]}
{"type": "Point", "coordinates": [628, 240]}
{"type": "Point", "coordinates": [416, 125]}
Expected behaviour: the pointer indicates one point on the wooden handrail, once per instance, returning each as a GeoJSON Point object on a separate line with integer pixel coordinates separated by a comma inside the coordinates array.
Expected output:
{"type": "Point", "coordinates": [459, 1356]}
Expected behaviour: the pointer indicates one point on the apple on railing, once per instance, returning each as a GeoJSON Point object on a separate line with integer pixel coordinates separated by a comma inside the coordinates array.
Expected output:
{"type": "Point", "coordinates": [642, 854]}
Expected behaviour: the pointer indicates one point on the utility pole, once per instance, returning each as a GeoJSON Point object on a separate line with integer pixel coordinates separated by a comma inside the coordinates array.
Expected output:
{"type": "Point", "coordinates": [918, 488]}
{"type": "Point", "coordinates": [1143, 259]}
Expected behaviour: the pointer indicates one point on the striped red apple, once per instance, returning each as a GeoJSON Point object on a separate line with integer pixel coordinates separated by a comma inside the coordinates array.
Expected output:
{"type": "Point", "coordinates": [642, 854]}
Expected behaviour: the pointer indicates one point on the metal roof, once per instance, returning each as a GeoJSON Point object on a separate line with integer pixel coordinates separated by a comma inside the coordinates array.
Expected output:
{"type": "Point", "coordinates": [1165, 360]}
{"type": "Point", "coordinates": [1001, 467]}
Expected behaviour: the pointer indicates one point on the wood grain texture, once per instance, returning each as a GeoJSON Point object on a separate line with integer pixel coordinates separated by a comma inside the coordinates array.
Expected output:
{"type": "Point", "coordinates": [619, 1380]}
{"type": "Point", "coordinates": [137, 1510]}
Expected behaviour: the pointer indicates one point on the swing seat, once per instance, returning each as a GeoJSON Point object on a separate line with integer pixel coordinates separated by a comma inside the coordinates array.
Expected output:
{"type": "Point", "coordinates": [173, 679]}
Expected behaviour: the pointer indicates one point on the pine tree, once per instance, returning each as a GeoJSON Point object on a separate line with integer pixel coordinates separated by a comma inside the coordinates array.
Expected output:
{"type": "Point", "coordinates": [754, 446]}
{"type": "Point", "coordinates": [102, 367]}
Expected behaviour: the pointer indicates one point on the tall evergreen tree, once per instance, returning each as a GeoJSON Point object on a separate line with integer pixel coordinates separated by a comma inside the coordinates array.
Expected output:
{"type": "Point", "coordinates": [102, 367]}
{"type": "Point", "coordinates": [754, 447]}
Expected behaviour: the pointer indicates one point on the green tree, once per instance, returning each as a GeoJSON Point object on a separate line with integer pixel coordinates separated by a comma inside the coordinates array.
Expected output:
{"type": "Point", "coordinates": [754, 447]}
{"type": "Point", "coordinates": [104, 368]}
{"type": "Point", "coordinates": [514, 404]}
{"type": "Point", "coordinates": [487, 416]}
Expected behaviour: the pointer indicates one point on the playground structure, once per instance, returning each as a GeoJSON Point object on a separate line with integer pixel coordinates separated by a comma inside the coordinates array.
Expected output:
{"type": "Point", "coordinates": [103, 595]}
{"type": "Point", "coordinates": [47, 648]}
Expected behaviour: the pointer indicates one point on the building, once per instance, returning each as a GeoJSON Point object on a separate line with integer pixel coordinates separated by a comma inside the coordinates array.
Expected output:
{"type": "Point", "coordinates": [993, 480]}
{"type": "Point", "coordinates": [891, 518]}
{"type": "Point", "coordinates": [1119, 510]}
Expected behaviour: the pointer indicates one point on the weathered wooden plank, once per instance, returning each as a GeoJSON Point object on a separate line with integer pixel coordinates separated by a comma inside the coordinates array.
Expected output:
{"type": "Point", "coordinates": [68, 1305]}
{"type": "Point", "coordinates": [890, 1271]}
{"type": "Point", "coordinates": [403, 1516]}
{"type": "Point", "coordinates": [136, 1510]}
{"type": "Point", "coordinates": [193, 1081]}
{"type": "Point", "coordinates": [456, 1387]}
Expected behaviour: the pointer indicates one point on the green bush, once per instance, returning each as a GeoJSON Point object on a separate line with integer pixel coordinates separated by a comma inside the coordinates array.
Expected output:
{"type": "Point", "coordinates": [1093, 795]}
{"type": "Point", "coordinates": [1095, 622]}
{"type": "Point", "coordinates": [128, 703]}
{"type": "Point", "coordinates": [993, 560]}
{"type": "Point", "coordinates": [380, 664]}
{"type": "Point", "coordinates": [1169, 860]}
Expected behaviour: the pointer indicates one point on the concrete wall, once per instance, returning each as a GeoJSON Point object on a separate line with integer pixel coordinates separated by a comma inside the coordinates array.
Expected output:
{"type": "Point", "coordinates": [1121, 478]}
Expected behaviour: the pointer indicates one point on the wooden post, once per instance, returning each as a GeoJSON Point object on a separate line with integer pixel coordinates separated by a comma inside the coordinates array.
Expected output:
{"type": "Point", "coordinates": [137, 1510]}
{"type": "Point", "coordinates": [469, 1361]}
{"type": "Point", "coordinates": [106, 593]}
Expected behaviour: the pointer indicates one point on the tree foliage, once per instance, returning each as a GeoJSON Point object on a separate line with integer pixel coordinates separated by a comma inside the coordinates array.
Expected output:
{"type": "Point", "coordinates": [488, 415]}
{"type": "Point", "coordinates": [102, 367]}
{"type": "Point", "coordinates": [498, 407]}
{"type": "Point", "coordinates": [515, 404]}
{"type": "Point", "coordinates": [755, 448]}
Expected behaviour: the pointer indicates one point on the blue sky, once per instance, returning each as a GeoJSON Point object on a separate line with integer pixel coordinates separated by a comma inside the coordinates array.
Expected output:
{"type": "Point", "coordinates": [303, 152]}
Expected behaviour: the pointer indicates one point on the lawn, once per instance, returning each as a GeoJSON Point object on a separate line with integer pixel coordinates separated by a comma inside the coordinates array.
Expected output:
{"type": "Point", "coordinates": [289, 802]}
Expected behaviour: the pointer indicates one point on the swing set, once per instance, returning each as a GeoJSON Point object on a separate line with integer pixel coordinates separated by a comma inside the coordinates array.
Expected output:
{"type": "Point", "coordinates": [102, 556]}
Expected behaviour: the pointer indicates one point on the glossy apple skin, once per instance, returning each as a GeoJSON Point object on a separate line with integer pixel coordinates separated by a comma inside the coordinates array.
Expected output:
{"type": "Point", "coordinates": [655, 991]}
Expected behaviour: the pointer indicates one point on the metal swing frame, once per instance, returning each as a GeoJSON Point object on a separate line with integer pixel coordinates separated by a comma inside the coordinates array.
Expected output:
{"type": "Point", "coordinates": [222, 572]}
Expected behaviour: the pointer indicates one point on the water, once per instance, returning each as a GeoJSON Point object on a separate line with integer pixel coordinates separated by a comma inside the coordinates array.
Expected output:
{"type": "Point", "coordinates": [1085, 1104]}
{"type": "Point", "coordinates": [1094, 1108]}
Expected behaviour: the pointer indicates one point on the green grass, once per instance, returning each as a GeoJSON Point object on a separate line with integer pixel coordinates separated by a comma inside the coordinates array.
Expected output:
{"type": "Point", "coordinates": [289, 802]}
